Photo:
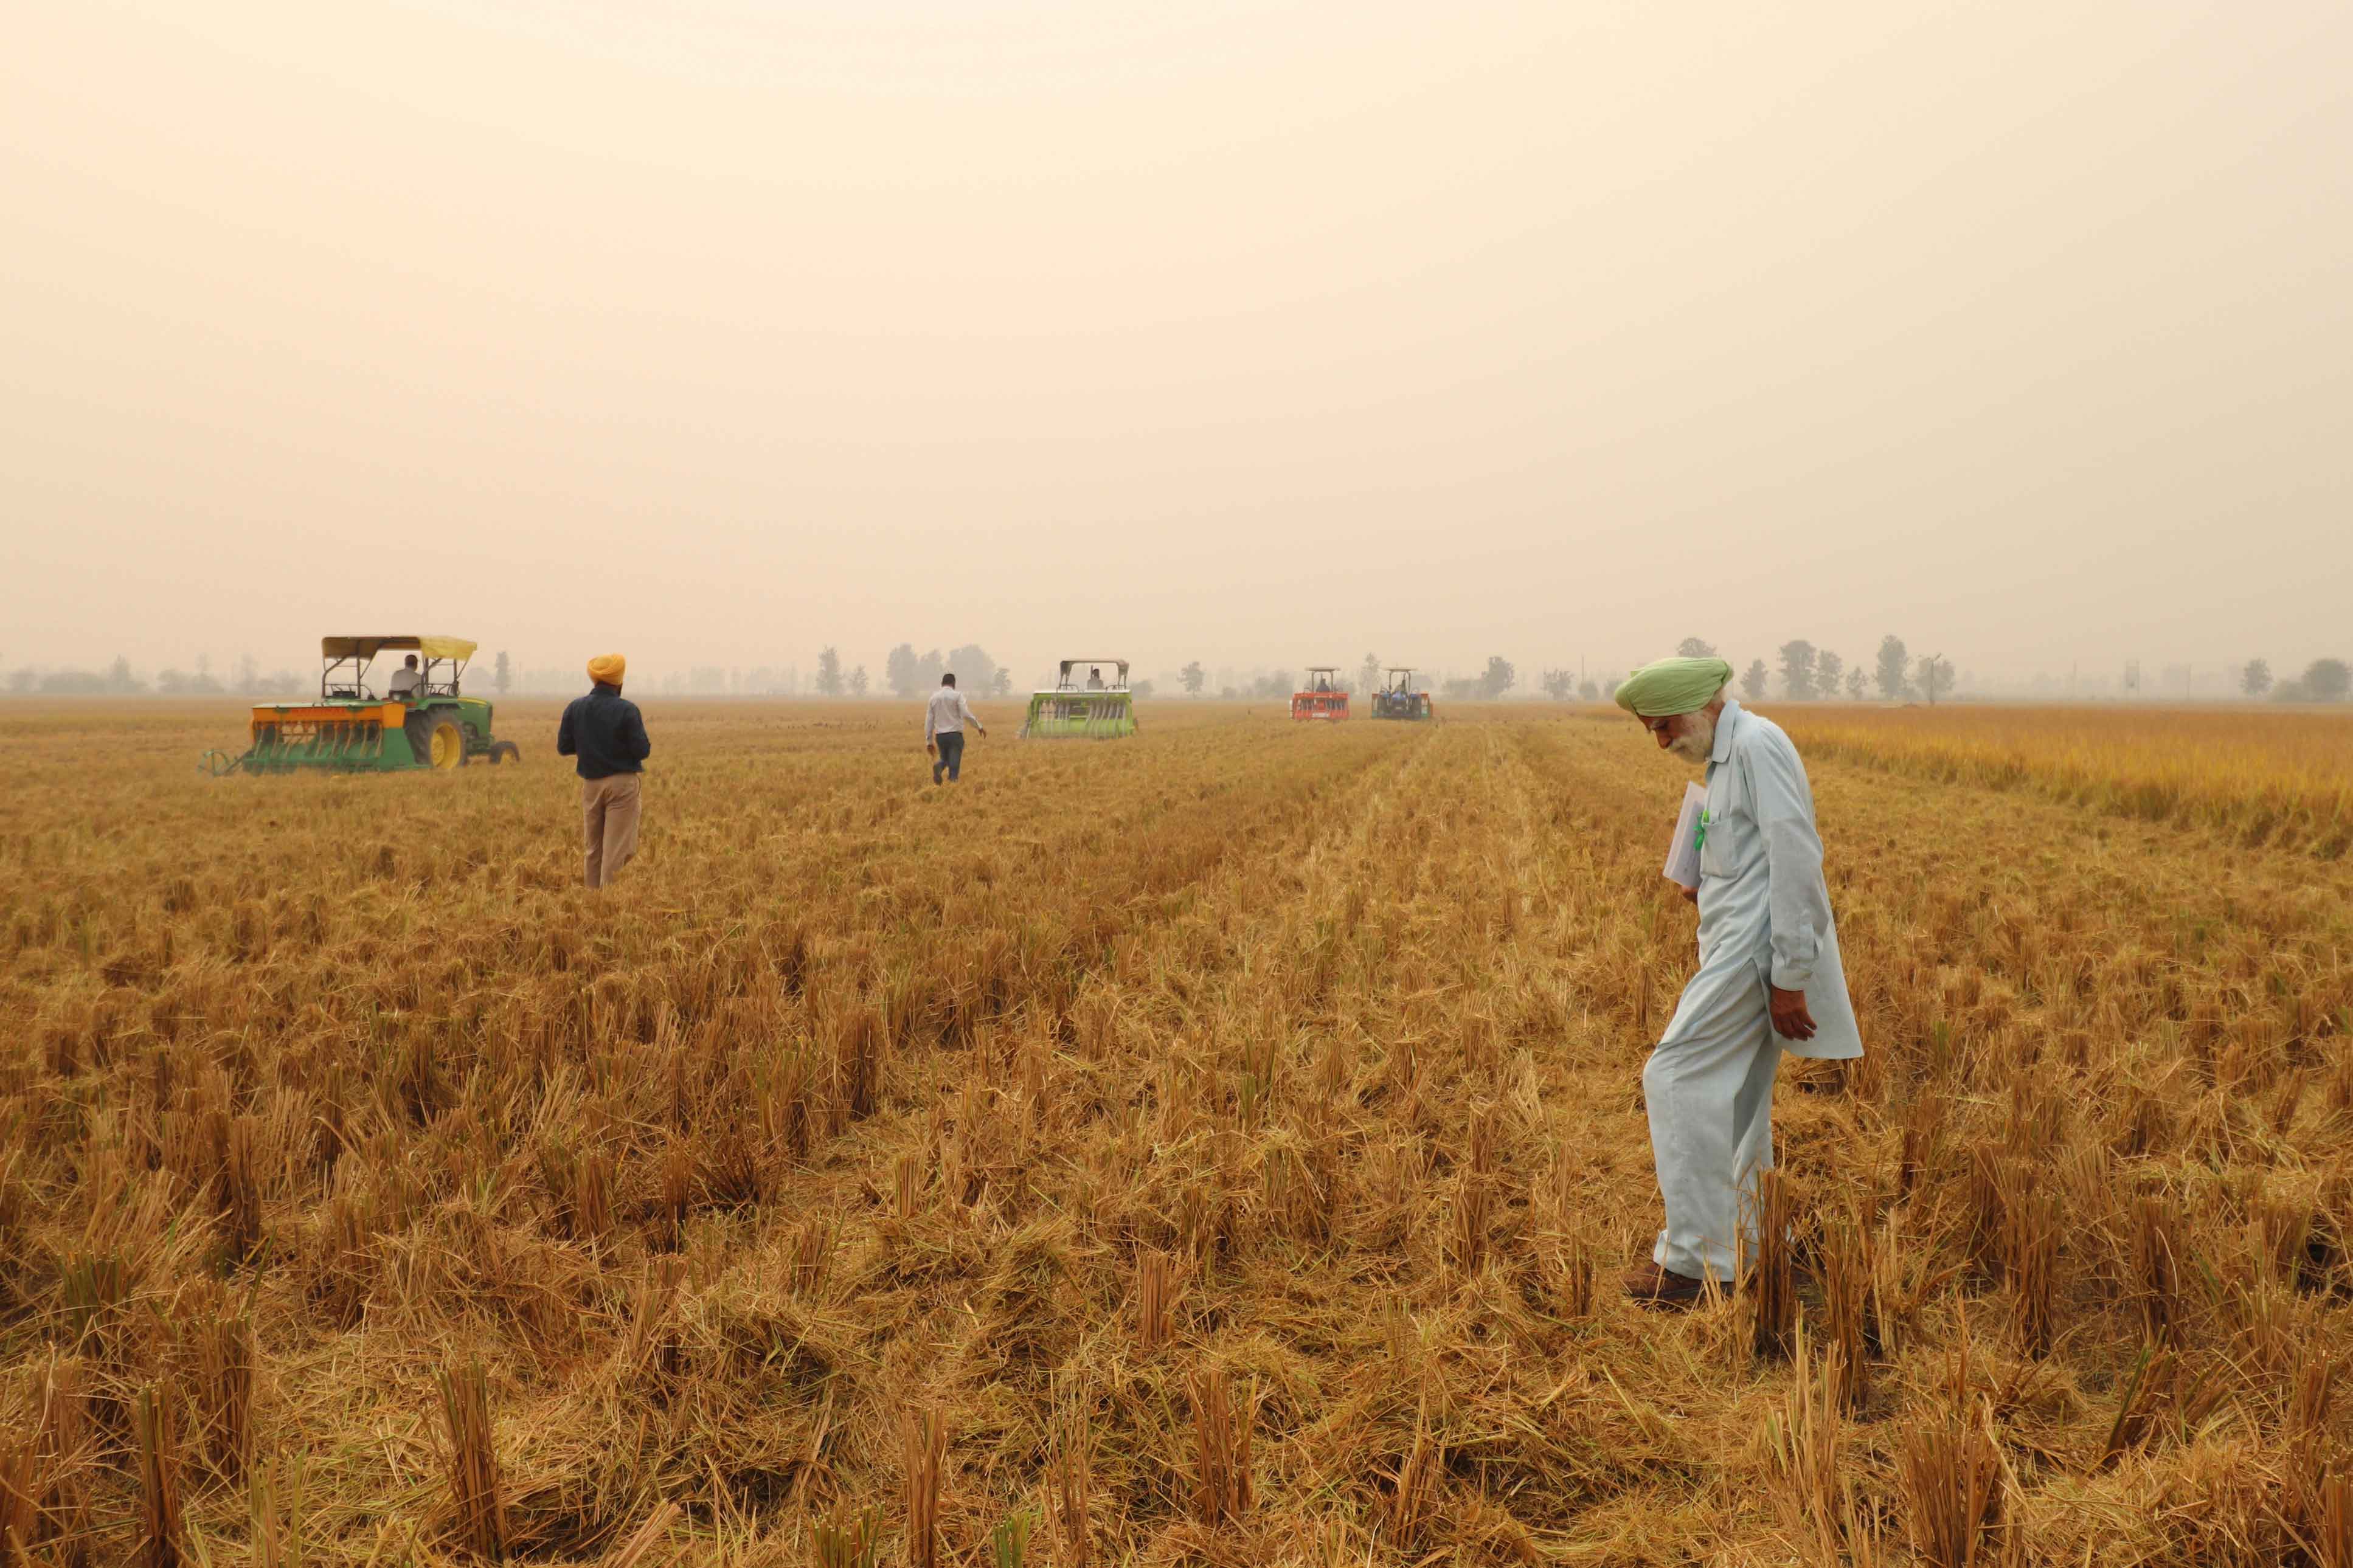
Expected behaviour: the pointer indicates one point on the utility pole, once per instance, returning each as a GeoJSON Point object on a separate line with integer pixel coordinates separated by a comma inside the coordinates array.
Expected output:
{"type": "Point", "coordinates": [1934, 661]}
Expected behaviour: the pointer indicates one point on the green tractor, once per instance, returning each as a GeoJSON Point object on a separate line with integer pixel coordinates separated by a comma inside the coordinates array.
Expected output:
{"type": "Point", "coordinates": [1088, 708]}
{"type": "Point", "coordinates": [421, 721]}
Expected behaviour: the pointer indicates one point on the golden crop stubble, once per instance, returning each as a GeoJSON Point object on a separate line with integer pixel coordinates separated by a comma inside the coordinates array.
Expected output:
{"type": "Point", "coordinates": [1323, 1008]}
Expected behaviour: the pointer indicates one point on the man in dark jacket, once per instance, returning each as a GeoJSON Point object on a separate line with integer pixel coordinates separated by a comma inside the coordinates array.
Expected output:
{"type": "Point", "coordinates": [604, 730]}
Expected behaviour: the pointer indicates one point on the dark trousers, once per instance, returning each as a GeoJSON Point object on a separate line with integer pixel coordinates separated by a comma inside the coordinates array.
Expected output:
{"type": "Point", "coordinates": [950, 744]}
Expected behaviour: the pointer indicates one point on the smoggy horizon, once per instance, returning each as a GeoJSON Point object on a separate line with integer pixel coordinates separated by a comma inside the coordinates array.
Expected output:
{"type": "Point", "coordinates": [1262, 334]}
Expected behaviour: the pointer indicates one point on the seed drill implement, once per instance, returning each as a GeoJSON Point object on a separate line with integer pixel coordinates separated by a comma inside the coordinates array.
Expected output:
{"type": "Point", "coordinates": [1323, 697]}
{"type": "Point", "coordinates": [1082, 705]}
{"type": "Point", "coordinates": [421, 721]}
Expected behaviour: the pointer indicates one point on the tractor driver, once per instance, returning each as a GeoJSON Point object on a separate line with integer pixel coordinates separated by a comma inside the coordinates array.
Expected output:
{"type": "Point", "coordinates": [1094, 679]}
{"type": "Point", "coordinates": [405, 680]}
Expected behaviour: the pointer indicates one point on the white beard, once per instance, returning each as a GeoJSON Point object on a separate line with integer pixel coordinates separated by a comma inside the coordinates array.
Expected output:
{"type": "Point", "coordinates": [1697, 740]}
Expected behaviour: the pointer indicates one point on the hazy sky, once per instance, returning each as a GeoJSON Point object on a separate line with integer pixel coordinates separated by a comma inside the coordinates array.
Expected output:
{"type": "Point", "coordinates": [716, 331]}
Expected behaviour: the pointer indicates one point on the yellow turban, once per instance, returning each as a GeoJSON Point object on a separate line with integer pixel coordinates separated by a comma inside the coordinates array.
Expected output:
{"type": "Point", "coordinates": [606, 669]}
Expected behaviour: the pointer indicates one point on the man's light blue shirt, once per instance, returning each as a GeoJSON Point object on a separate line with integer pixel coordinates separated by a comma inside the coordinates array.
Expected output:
{"type": "Point", "coordinates": [1762, 904]}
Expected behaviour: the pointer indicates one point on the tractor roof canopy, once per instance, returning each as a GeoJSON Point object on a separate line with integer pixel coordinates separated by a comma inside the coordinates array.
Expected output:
{"type": "Point", "coordinates": [366, 648]}
{"type": "Point", "coordinates": [1064, 684]}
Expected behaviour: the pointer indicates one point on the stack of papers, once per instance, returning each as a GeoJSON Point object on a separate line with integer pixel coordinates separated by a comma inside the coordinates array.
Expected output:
{"type": "Point", "coordinates": [1683, 852]}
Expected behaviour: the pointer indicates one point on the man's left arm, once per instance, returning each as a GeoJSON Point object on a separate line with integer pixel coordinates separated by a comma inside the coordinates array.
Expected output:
{"type": "Point", "coordinates": [972, 717]}
{"type": "Point", "coordinates": [1798, 901]}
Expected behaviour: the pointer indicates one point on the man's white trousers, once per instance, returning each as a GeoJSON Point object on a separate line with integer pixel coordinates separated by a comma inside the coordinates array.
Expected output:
{"type": "Point", "coordinates": [1708, 1087]}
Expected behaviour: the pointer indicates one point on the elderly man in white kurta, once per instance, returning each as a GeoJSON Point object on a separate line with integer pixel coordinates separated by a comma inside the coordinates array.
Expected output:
{"type": "Point", "coordinates": [1769, 979]}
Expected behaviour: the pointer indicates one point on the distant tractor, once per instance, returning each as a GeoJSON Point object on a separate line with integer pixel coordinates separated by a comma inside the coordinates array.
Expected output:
{"type": "Point", "coordinates": [1397, 699]}
{"type": "Point", "coordinates": [1082, 705]}
{"type": "Point", "coordinates": [422, 722]}
{"type": "Point", "coordinates": [1323, 697]}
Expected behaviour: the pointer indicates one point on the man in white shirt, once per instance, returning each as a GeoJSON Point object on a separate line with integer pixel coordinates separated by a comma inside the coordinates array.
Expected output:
{"type": "Point", "coordinates": [405, 680]}
{"type": "Point", "coordinates": [945, 717]}
{"type": "Point", "coordinates": [1770, 978]}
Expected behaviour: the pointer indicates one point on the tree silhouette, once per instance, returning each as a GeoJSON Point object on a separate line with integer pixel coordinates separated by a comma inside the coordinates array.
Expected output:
{"type": "Point", "coordinates": [2257, 678]}
{"type": "Point", "coordinates": [1194, 677]}
{"type": "Point", "coordinates": [1828, 669]}
{"type": "Point", "coordinates": [1752, 685]}
{"type": "Point", "coordinates": [829, 672]}
{"type": "Point", "coordinates": [975, 671]}
{"type": "Point", "coordinates": [1895, 665]}
{"type": "Point", "coordinates": [1798, 670]}
{"type": "Point", "coordinates": [1692, 647]}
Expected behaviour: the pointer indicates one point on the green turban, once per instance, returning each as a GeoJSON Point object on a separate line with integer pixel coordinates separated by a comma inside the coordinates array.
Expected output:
{"type": "Point", "coordinates": [1671, 686]}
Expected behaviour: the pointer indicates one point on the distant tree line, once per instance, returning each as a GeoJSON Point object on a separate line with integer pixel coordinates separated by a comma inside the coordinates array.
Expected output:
{"type": "Point", "coordinates": [1808, 674]}
{"type": "Point", "coordinates": [910, 674]}
{"type": "Point", "coordinates": [1486, 686]}
{"type": "Point", "coordinates": [2323, 680]}
{"type": "Point", "coordinates": [245, 679]}
{"type": "Point", "coordinates": [1811, 674]}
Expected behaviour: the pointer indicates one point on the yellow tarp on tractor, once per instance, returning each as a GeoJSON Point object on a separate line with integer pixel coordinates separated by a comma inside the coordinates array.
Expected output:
{"type": "Point", "coordinates": [366, 648]}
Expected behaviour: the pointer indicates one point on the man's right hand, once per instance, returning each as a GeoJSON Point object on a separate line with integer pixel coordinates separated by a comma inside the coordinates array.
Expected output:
{"type": "Point", "coordinates": [1791, 1021]}
{"type": "Point", "coordinates": [1691, 895]}
{"type": "Point", "coordinates": [931, 749]}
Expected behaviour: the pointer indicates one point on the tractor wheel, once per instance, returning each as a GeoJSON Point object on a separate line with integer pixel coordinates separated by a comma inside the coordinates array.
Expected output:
{"type": "Point", "coordinates": [437, 738]}
{"type": "Point", "coordinates": [504, 751]}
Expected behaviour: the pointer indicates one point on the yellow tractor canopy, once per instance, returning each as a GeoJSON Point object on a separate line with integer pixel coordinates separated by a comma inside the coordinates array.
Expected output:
{"type": "Point", "coordinates": [425, 723]}
{"type": "Point", "coordinates": [366, 648]}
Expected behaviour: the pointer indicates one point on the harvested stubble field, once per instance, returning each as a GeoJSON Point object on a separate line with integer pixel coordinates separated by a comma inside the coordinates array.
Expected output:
{"type": "Point", "coordinates": [1216, 1147]}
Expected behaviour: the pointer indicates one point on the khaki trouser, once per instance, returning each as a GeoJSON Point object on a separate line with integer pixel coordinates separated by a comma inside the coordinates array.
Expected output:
{"type": "Point", "coordinates": [608, 818]}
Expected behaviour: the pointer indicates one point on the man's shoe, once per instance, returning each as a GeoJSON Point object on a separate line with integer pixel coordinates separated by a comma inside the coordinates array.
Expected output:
{"type": "Point", "coordinates": [1664, 1289]}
